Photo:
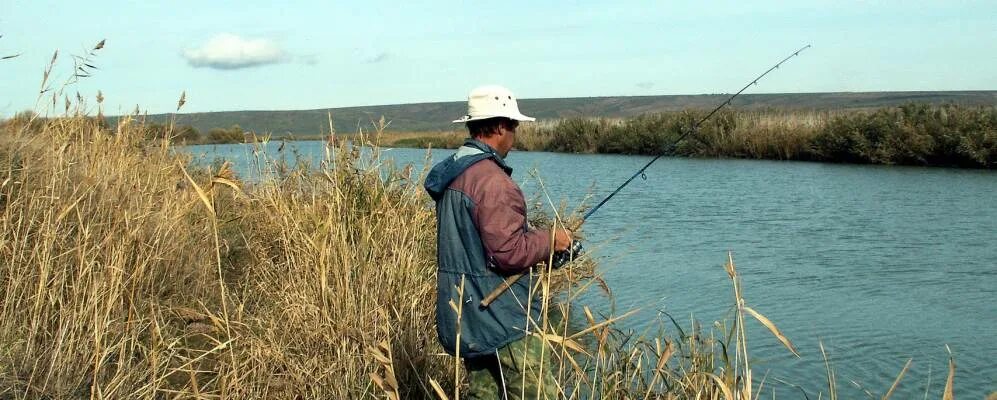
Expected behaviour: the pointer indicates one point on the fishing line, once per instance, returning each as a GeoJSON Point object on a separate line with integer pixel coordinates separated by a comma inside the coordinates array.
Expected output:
{"type": "Point", "coordinates": [671, 147]}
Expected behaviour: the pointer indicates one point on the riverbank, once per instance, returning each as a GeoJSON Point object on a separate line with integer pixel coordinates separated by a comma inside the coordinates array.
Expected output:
{"type": "Point", "coordinates": [913, 134]}
{"type": "Point", "coordinates": [133, 274]}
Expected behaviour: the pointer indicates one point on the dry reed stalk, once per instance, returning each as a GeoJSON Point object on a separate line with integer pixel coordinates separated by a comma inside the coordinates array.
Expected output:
{"type": "Point", "coordinates": [773, 329]}
{"type": "Point", "coordinates": [832, 388]}
{"type": "Point", "coordinates": [386, 381]}
{"type": "Point", "coordinates": [663, 356]}
{"type": "Point", "coordinates": [458, 309]}
{"type": "Point", "coordinates": [741, 348]}
{"type": "Point", "coordinates": [896, 382]}
{"type": "Point", "coordinates": [948, 394]}
{"type": "Point", "coordinates": [438, 389]}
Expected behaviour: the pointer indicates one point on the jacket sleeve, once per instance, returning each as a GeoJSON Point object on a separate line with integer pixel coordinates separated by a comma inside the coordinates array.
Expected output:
{"type": "Point", "coordinates": [500, 215]}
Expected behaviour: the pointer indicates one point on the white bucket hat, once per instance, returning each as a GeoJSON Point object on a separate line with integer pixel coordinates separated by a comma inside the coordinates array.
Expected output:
{"type": "Point", "coordinates": [492, 101]}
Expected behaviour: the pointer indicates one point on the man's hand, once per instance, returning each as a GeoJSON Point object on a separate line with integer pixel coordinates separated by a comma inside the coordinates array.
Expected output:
{"type": "Point", "coordinates": [562, 239]}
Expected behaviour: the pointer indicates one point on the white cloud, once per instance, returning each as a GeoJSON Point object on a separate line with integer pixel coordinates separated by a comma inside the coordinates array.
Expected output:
{"type": "Point", "coordinates": [228, 51]}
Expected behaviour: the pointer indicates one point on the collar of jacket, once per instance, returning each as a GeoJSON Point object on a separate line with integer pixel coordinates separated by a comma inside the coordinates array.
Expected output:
{"type": "Point", "coordinates": [473, 143]}
{"type": "Point", "coordinates": [444, 172]}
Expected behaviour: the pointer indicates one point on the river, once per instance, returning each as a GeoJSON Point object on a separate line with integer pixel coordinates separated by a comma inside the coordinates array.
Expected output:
{"type": "Point", "coordinates": [880, 263]}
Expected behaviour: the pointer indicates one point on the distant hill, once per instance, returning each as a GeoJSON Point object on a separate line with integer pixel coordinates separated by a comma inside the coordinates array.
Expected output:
{"type": "Point", "coordinates": [437, 116]}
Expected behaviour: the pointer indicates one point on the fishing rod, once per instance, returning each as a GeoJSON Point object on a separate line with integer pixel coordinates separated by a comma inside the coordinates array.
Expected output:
{"type": "Point", "coordinates": [575, 249]}
{"type": "Point", "coordinates": [675, 143]}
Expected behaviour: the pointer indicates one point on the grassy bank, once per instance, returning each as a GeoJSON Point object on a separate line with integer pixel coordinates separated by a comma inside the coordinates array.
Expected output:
{"type": "Point", "coordinates": [913, 134]}
{"type": "Point", "coordinates": [131, 274]}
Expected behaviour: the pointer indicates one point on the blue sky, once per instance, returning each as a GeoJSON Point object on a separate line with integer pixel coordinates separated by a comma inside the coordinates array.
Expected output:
{"type": "Point", "coordinates": [239, 55]}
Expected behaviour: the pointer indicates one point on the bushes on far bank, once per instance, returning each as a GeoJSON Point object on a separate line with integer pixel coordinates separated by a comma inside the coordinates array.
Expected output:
{"type": "Point", "coordinates": [189, 135]}
{"type": "Point", "coordinates": [179, 134]}
{"type": "Point", "coordinates": [728, 133]}
{"type": "Point", "coordinates": [912, 134]}
{"type": "Point", "coordinates": [233, 134]}
{"type": "Point", "coordinates": [436, 142]}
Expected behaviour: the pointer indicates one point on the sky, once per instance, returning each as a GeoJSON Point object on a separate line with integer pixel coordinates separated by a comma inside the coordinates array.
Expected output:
{"type": "Point", "coordinates": [255, 55]}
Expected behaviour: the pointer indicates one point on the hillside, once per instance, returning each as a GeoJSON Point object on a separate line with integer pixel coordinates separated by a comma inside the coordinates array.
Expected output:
{"type": "Point", "coordinates": [437, 116]}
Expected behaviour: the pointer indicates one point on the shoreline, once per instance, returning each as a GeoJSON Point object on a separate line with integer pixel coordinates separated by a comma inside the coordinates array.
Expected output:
{"type": "Point", "coordinates": [947, 136]}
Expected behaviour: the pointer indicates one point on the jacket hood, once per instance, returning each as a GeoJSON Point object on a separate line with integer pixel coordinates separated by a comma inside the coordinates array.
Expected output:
{"type": "Point", "coordinates": [444, 172]}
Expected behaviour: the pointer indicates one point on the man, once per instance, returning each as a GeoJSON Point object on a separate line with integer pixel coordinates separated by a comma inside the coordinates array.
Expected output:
{"type": "Point", "coordinates": [483, 237]}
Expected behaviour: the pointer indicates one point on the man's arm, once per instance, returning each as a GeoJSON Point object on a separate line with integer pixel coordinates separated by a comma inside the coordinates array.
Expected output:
{"type": "Point", "coordinates": [500, 216]}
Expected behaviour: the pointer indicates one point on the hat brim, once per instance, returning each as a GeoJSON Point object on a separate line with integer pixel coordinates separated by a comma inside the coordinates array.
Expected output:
{"type": "Point", "coordinates": [517, 117]}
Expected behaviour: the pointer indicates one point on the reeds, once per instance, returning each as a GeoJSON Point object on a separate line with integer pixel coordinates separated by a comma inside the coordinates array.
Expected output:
{"type": "Point", "coordinates": [126, 279]}
{"type": "Point", "coordinates": [129, 277]}
{"type": "Point", "coordinates": [97, 233]}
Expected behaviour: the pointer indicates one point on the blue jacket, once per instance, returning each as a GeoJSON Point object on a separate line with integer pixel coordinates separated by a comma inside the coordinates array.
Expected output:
{"type": "Point", "coordinates": [482, 236]}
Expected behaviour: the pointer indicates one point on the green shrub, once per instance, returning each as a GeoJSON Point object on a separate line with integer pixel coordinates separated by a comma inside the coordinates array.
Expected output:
{"type": "Point", "coordinates": [230, 135]}
{"type": "Point", "coordinates": [187, 133]}
{"type": "Point", "coordinates": [644, 134]}
{"type": "Point", "coordinates": [179, 134]}
{"type": "Point", "coordinates": [575, 135]}
{"type": "Point", "coordinates": [912, 134]}
{"type": "Point", "coordinates": [436, 142]}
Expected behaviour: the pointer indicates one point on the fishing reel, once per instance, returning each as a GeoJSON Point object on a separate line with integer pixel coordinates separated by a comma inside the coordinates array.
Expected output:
{"type": "Point", "coordinates": [563, 257]}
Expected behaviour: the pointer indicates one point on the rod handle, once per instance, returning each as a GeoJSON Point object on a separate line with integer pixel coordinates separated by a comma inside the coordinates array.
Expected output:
{"type": "Point", "coordinates": [505, 285]}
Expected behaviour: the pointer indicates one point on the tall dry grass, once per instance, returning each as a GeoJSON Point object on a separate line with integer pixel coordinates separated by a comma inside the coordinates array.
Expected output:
{"type": "Point", "coordinates": [133, 275]}
{"type": "Point", "coordinates": [127, 279]}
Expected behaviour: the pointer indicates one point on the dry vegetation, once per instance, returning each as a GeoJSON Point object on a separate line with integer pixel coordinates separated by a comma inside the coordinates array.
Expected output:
{"type": "Point", "coordinates": [127, 278]}
{"type": "Point", "coordinates": [133, 275]}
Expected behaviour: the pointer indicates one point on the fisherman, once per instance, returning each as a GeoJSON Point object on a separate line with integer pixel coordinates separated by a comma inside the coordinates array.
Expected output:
{"type": "Point", "coordinates": [482, 238]}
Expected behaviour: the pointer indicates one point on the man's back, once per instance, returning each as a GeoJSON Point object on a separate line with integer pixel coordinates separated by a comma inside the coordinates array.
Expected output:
{"type": "Point", "coordinates": [482, 238]}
